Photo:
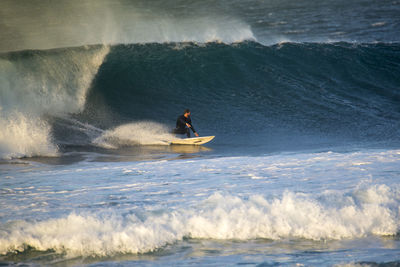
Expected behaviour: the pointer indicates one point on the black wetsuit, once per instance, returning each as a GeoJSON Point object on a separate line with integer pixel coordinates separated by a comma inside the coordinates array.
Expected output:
{"type": "Point", "coordinates": [181, 126]}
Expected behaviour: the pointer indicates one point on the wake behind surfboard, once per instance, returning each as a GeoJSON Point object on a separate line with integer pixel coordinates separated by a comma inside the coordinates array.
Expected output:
{"type": "Point", "coordinates": [192, 141]}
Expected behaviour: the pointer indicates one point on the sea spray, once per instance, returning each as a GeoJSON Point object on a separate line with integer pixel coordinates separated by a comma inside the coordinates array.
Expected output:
{"type": "Point", "coordinates": [38, 84]}
{"type": "Point", "coordinates": [138, 133]}
{"type": "Point", "coordinates": [114, 22]}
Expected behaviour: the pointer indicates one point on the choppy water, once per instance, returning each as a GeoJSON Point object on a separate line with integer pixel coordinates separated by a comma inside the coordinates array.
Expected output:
{"type": "Point", "coordinates": [289, 208]}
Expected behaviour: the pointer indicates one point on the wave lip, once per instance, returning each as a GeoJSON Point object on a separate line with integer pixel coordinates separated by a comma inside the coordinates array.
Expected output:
{"type": "Point", "coordinates": [329, 216]}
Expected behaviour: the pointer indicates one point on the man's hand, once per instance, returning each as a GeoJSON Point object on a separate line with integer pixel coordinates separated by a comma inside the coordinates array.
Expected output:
{"type": "Point", "coordinates": [188, 125]}
{"type": "Point", "coordinates": [196, 134]}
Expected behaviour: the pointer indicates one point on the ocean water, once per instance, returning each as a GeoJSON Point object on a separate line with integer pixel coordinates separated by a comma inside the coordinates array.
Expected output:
{"type": "Point", "coordinates": [303, 98]}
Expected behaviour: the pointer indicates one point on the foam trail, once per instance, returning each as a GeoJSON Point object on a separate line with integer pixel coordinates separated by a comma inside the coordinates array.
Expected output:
{"type": "Point", "coordinates": [138, 133]}
{"type": "Point", "coordinates": [36, 84]}
{"type": "Point", "coordinates": [331, 215]}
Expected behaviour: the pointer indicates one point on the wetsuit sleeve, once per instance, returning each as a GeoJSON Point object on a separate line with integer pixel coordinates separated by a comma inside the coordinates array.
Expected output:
{"type": "Point", "coordinates": [190, 122]}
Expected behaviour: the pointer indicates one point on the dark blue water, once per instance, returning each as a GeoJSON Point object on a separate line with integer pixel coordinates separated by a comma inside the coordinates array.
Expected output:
{"type": "Point", "coordinates": [343, 90]}
{"type": "Point", "coordinates": [285, 96]}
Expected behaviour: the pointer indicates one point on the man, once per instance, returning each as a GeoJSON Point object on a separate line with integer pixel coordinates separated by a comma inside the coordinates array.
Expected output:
{"type": "Point", "coordinates": [184, 123]}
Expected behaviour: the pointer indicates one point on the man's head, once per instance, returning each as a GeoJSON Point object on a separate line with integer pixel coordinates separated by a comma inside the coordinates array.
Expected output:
{"type": "Point", "coordinates": [186, 113]}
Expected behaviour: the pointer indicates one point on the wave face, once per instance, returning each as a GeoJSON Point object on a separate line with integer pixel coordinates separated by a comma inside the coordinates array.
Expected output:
{"type": "Point", "coordinates": [287, 93]}
{"type": "Point", "coordinates": [290, 90]}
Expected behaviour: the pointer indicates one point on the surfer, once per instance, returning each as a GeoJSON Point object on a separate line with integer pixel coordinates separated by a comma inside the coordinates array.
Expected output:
{"type": "Point", "coordinates": [184, 123]}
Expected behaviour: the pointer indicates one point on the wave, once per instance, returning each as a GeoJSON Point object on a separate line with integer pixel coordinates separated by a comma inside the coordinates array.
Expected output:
{"type": "Point", "coordinates": [291, 91]}
{"type": "Point", "coordinates": [327, 216]}
{"type": "Point", "coordinates": [36, 84]}
{"type": "Point", "coordinates": [343, 91]}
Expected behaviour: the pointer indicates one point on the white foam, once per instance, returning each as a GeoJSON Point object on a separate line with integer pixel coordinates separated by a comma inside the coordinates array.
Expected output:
{"type": "Point", "coordinates": [38, 85]}
{"type": "Point", "coordinates": [370, 211]}
{"type": "Point", "coordinates": [378, 24]}
{"type": "Point", "coordinates": [22, 135]}
{"type": "Point", "coordinates": [138, 133]}
{"type": "Point", "coordinates": [353, 265]}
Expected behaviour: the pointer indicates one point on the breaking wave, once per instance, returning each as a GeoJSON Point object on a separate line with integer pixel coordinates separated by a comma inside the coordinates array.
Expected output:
{"type": "Point", "coordinates": [327, 216]}
{"type": "Point", "coordinates": [39, 84]}
{"type": "Point", "coordinates": [286, 93]}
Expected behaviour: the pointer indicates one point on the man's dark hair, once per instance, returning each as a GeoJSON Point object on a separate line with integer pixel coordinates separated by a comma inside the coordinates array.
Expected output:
{"type": "Point", "coordinates": [186, 111]}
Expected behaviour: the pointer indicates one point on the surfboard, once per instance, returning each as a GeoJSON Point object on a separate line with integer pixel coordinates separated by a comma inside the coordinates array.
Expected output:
{"type": "Point", "coordinates": [192, 141]}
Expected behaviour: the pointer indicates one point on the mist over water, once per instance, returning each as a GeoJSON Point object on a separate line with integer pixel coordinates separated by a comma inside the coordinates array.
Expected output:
{"type": "Point", "coordinates": [39, 25]}
{"type": "Point", "coordinates": [43, 25]}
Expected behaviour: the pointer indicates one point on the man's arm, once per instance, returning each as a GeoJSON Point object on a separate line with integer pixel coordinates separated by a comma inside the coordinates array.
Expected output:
{"type": "Point", "coordinates": [194, 131]}
{"type": "Point", "coordinates": [189, 124]}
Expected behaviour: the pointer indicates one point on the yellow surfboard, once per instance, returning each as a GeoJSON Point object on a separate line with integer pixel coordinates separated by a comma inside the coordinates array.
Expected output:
{"type": "Point", "coordinates": [192, 141]}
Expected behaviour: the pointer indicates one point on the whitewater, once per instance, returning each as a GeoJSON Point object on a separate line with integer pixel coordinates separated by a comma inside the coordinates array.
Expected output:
{"type": "Point", "coordinates": [303, 98]}
{"type": "Point", "coordinates": [113, 210]}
